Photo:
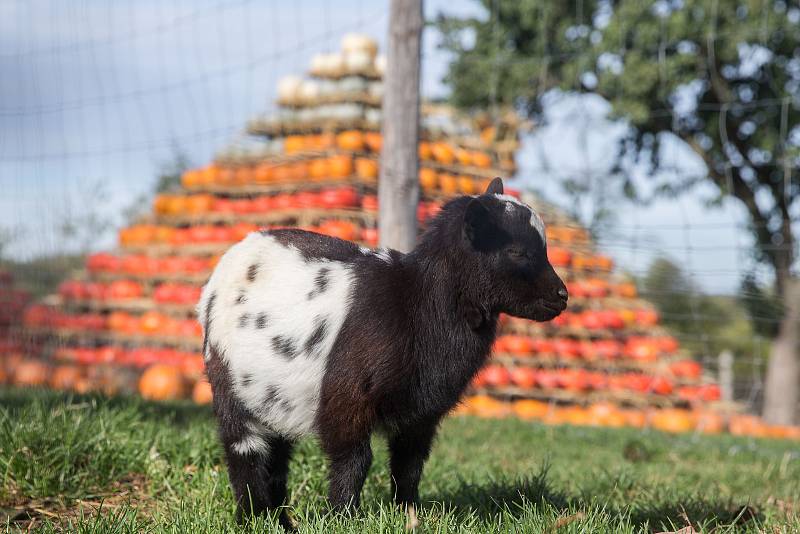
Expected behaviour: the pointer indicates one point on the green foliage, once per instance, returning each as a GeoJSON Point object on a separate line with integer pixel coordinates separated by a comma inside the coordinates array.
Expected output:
{"type": "Point", "coordinates": [764, 309]}
{"type": "Point", "coordinates": [159, 468]}
{"type": "Point", "coordinates": [721, 76]}
{"type": "Point", "coordinates": [705, 324]}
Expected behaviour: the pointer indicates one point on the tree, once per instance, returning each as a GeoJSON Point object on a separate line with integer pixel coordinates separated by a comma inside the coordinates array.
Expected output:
{"type": "Point", "coordinates": [721, 76]}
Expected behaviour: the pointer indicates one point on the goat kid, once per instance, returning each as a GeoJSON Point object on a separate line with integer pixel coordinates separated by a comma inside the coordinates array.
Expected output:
{"type": "Point", "coordinates": [308, 334]}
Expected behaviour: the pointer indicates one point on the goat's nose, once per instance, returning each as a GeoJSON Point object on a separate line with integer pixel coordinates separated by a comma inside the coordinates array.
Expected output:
{"type": "Point", "coordinates": [563, 293]}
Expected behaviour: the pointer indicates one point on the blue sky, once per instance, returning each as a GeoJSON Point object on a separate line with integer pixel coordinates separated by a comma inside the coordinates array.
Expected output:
{"type": "Point", "coordinates": [95, 95]}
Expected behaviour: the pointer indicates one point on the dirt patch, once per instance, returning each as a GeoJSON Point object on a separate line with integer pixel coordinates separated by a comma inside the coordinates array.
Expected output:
{"type": "Point", "coordinates": [27, 514]}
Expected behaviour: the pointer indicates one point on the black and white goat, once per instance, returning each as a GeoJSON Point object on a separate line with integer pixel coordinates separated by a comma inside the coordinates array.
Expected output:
{"type": "Point", "coordinates": [308, 334]}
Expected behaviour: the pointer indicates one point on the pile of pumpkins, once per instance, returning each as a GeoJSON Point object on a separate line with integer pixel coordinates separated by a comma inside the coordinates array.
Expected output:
{"type": "Point", "coordinates": [324, 178]}
{"type": "Point", "coordinates": [608, 414]}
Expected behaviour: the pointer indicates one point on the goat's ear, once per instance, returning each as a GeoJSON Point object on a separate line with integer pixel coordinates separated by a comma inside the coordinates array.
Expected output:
{"type": "Point", "coordinates": [495, 187]}
{"type": "Point", "coordinates": [480, 229]}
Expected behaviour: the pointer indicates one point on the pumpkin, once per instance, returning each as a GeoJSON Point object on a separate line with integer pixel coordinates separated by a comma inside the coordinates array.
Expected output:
{"type": "Point", "coordinates": [369, 203]}
{"type": "Point", "coordinates": [367, 169]}
{"type": "Point", "coordinates": [485, 406]}
{"type": "Point", "coordinates": [340, 166]}
{"type": "Point", "coordinates": [425, 152]}
{"type": "Point", "coordinates": [647, 317]}
{"type": "Point", "coordinates": [466, 185]}
{"type": "Point", "coordinates": [529, 409]}
{"type": "Point", "coordinates": [559, 257]}
{"type": "Point", "coordinates": [162, 382]}
{"type": "Point", "coordinates": [523, 377]}
{"type": "Point", "coordinates": [709, 422]}
{"type": "Point", "coordinates": [352, 140]}
{"type": "Point", "coordinates": [672, 420]}
{"type": "Point", "coordinates": [262, 173]}
{"type": "Point", "coordinates": [293, 144]}
{"type": "Point", "coordinates": [496, 375]}
{"type": "Point", "coordinates": [226, 176]}
{"type": "Point", "coordinates": [463, 156]}
{"type": "Point", "coordinates": [626, 290]}
{"type": "Point", "coordinates": [243, 175]}
{"type": "Point", "coordinates": [318, 169]}
{"type": "Point", "coordinates": [448, 184]}
{"type": "Point", "coordinates": [201, 392]}
{"type": "Point", "coordinates": [30, 373]}
{"type": "Point", "coordinates": [192, 178]}
{"type": "Point", "coordinates": [634, 418]}
{"type": "Point", "coordinates": [370, 236]}
{"type": "Point", "coordinates": [151, 322]}
{"type": "Point", "coordinates": [428, 179]}
{"type": "Point", "coordinates": [374, 141]}
{"type": "Point", "coordinates": [443, 153]}
{"type": "Point", "coordinates": [65, 377]}
{"type": "Point", "coordinates": [298, 171]}
{"type": "Point", "coordinates": [199, 203]}
{"type": "Point", "coordinates": [481, 159]}
{"type": "Point", "coordinates": [281, 173]}
{"type": "Point", "coordinates": [342, 229]}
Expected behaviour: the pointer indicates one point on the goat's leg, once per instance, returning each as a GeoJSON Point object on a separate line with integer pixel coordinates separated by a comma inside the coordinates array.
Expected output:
{"type": "Point", "coordinates": [258, 476]}
{"type": "Point", "coordinates": [348, 471]}
{"type": "Point", "coordinates": [409, 448]}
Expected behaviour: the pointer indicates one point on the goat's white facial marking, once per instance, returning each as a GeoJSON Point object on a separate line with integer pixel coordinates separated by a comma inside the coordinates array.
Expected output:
{"type": "Point", "coordinates": [536, 221]}
{"type": "Point", "coordinates": [274, 318]}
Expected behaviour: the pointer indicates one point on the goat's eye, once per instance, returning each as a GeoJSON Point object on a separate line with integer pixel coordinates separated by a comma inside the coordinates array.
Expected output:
{"type": "Point", "coordinates": [519, 254]}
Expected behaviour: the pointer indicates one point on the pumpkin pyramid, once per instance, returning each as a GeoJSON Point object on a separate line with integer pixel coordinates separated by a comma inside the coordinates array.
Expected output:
{"type": "Point", "coordinates": [314, 165]}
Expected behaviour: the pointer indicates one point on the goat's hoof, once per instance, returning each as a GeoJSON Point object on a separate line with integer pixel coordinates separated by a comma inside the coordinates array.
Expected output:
{"type": "Point", "coordinates": [413, 521]}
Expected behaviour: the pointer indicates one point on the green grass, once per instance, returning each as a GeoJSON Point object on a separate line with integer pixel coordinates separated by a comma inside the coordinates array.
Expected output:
{"type": "Point", "coordinates": [90, 464]}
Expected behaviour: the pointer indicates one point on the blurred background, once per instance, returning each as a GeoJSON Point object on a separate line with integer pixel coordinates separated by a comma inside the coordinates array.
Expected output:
{"type": "Point", "coordinates": [660, 139]}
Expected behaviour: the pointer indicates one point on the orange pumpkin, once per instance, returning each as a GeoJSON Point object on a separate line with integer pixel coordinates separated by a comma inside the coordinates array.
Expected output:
{"type": "Point", "coordinates": [342, 229]}
{"type": "Point", "coordinates": [466, 184]}
{"type": "Point", "coordinates": [443, 153]}
{"type": "Point", "coordinates": [243, 175]}
{"type": "Point", "coordinates": [298, 171]}
{"type": "Point", "coordinates": [529, 409]}
{"type": "Point", "coordinates": [367, 169]}
{"type": "Point", "coordinates": [30, 373]}
{"type": "Point", "coordinates": [318, 169]}
{"type": "Point", "coordinates": [481, 159]}
{"type": "Point", "coordinates": [425, 152]}
{"type": "Point", "coordinates": [293, 144]}
{"type": "Point", "coordinates": [65, 377]}
{"type": "Point", "coordinates": [226, 176]}
{"type": "Point", "coordinates": [262, 174]}
{"type": "Point", "coordinates": [151, 322]}
{"type": "Point", "coordinates": [352, 140]}
{"type": "Point", "coordinates": [448, 184]}
{"type": "Point", "coordinates": [201, 392]}
{"type": "Point", "coordinates": [192, 178]}
{"type": "Point", "coordinates": [199, 203]}
{"type": "Point", "coordinates": [374, 141]}
{"type": "Point", "coordinates": [428, 179]}
{"type": "Point", "coordinates": [463, 156]}
{"type": "Point", "coordinates": [340, 166]}
{"type": "Point", "coordinates": [162, 382]}
{"type": "Point", "coordinates": [673, 420]}
{"type": "Point", "coordinates": [210, 175]}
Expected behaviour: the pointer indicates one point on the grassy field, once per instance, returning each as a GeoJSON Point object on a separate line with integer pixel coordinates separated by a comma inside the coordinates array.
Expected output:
{"type": "Point", "coordinates": [89, 464]}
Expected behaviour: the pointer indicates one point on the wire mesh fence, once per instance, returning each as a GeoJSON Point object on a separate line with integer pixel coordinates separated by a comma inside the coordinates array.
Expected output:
{"type": "Point", "coordinates": [99, 100]}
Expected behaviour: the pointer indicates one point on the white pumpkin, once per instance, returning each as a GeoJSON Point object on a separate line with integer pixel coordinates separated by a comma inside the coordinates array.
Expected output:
{"type": "Point", "coordinates": [357, 61]}
{"type": "Point", "coordinates": [357, 42]}
{"type": "Point", "coordinates": [380, 64]}
{"type": "Point", "coordinates": [288, 88]}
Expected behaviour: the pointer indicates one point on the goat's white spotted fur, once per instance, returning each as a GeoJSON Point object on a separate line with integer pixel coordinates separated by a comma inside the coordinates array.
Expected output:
{"type": "Point", "coordinates": [280, 290]}
{"type": "Point", "coordinates": [536, 220]}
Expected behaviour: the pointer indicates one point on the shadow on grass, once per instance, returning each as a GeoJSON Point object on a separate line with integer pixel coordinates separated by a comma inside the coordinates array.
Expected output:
{"type": "Point", "coordinates": [515, 498]}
